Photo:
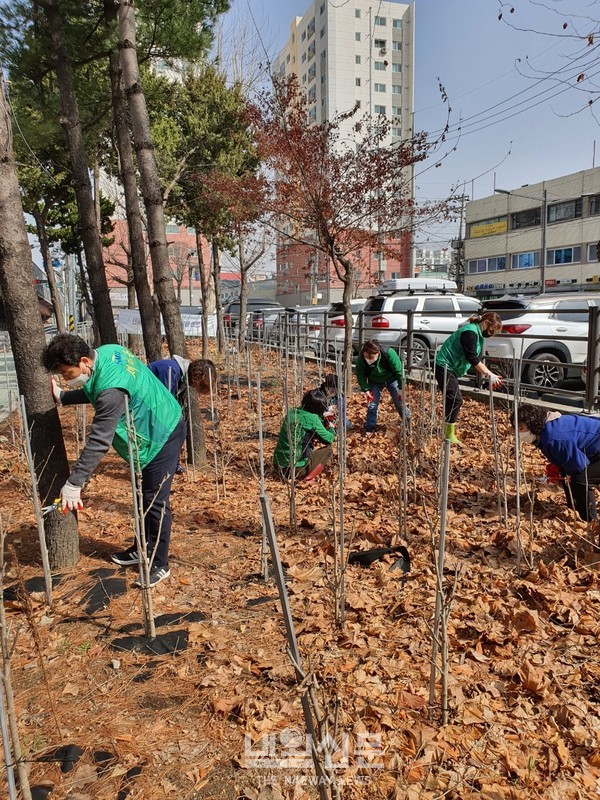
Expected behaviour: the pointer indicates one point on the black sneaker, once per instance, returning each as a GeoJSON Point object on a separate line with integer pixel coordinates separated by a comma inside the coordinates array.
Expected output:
{"type": "Point", "coordinates": [157, 574]}
{"type": "Point", "coordinates": [126, 558]}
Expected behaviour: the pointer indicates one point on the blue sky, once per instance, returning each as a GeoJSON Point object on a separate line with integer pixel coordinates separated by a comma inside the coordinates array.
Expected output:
{"type": "Point", "coordinates": [475, 56]}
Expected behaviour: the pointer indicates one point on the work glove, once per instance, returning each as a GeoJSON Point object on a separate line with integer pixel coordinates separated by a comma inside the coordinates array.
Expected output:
{"type": "Point", "coordinates": [56, 392]}
{"type": "Point", "coordinates": [495, 380]}
{"type": "Point", "coordinates": [369, 395]}
{"type": "Point", "coordinates": [71, 497]}
{"type": "Point", "coordinates": [553, 473]}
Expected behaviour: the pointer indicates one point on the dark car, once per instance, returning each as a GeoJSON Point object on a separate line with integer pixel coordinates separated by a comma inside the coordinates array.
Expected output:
{"type": "Point", "coordinates": [231, 312]}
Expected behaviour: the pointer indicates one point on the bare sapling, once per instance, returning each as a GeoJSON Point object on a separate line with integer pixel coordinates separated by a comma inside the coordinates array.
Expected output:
{"type": "Point", "coordinates": [313, 717]}
{"type": "Point", "coordinates": [7, 707]}
{"type": "Point", "coordinates": [37, 506]}
{"type": "Point", "coordinates": [261, 456]}
{"type": "Point", "coordinates": [214, 431]}
{"type": "Point", "coordinates": [144, 558]}
{"type": "Point", "coordinates": [497, 475]}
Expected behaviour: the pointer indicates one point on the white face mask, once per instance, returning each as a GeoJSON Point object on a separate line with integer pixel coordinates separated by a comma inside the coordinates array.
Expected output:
{"type": "Point", "coordinates": [78, 382]}
{"type": "Point", "coordinates": [527, 437]}
{"type": "Point", "coordinates": [371, 361]}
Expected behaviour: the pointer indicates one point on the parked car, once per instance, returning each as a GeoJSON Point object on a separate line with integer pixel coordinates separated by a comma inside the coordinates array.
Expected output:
{"type": "Point", "coordinates": [540, 329]}
{"type": "Point", "coordinates": [231, 312]}
{"type": "Point", "coordinates": [300, 326]}
{"type": "Point", "coordinates": [438, 312]}
{"type": "Point", "coordinates": [333, 333]}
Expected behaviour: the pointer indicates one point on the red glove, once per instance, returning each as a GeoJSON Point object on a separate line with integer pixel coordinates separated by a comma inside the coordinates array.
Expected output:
{"type": "Point", "coordinates": [553, 473]}
{"type": "Point", "coordinates": [369, 395]}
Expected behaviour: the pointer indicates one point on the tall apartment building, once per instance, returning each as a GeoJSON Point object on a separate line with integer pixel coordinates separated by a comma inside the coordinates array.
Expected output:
{"type": "Point", "coordinates": [539, 237]}
{"type": "Point", "coordinates": [343, 54]}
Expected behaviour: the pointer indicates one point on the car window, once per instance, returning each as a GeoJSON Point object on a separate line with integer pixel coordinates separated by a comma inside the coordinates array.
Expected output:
{"type": "Point", "coordinates": [234, 308]}
{"type": "Point", "coordinates": [405, 304]}
{"type": "Point", "coordinates": [571, 311]}
{"type": "Point", "coordinates": [467, 306]}
{"type": "Point", "coordinates": [374, 304]}
{"type": "Point", "coordinates": [439, 304]}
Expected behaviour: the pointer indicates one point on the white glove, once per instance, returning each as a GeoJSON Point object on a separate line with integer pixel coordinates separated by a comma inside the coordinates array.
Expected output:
{"type": "Point", "coordinates": [56, 393]}
{"type": "Point", "coordinates": [495, 380]}
{"type": "Point", "coordinates": [71, 497]}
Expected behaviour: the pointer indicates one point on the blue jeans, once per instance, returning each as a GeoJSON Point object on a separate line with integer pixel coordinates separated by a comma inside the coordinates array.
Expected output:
{"type": "Point", "coordinates": [377, 388]}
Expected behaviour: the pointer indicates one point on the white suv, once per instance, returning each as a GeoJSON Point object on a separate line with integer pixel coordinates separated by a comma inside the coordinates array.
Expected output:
{"type": "Point", "coordinates": [548, 331]}
{"type": "Point", "coordinates": [438, 311]}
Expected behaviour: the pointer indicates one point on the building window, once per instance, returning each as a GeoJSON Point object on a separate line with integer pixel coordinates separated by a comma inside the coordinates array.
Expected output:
{"type": "Point", "coordinates": [303, 36]}
{"type": "Point", "coordinates": [526, 219]}
{"type": "Point", "coordinates": [396, 45]}
{"type": "Point", "coordinates": [322, 9]}
{"type": "Point", "coordinates": [525, 260]}
{"type": "Point", "coordinates": [304, 78]}
{"type": "Point", "coordinates": [312, 114]}
{"type": "Point", "coordinates": [379, 110]}
{"type": "Point", "coordinates": [191, 231]}
{"type": "Point", "coordinates": [323, 79]}
{"type": "Point", "coordinates": [358, 104]}
{"type": "Point", "coordinates": [311, 28]}
{"type": "Point", "coordinates": [562, 211]}
{"type": "Point", "coordinates": [397, 132]}
{"type": "Point", "coordinates": [312, 71]}
{"type": "Point", "coordinates": [396, 89]}
{"type": "Point", "coordinates": [323, 55]}
{"type": "Point", "coordinates": [322, 33]}
{"type": "Point", "coordinates": [287, 60]}
{"type": "Point", "coordinates": [172, 228]}
{"type": "Point", "coordinates": [564, 255]}
{"type": "Point", "coordinates": [380, 65]}
{"type": "Point", "coordinates": [496, 264]}
{"type": "Point", "coordinates": [396, 67]}
{"type": "Point", "coordinates": [595, 204]}
{"type": "Point", "coordinates": [396, 111]}
{"type": "Point", "coordinates": [312, 94]}
{"type": "Point", "coordinates": [593, 251]}
{"type": "Point", "coordinates": [357, 13]}
{"type": "Point", "coordinates": [311, 51]}
{"type": "Point", "coordinates": [379, 87]}
{"type": "Point", "coordinates": [357, 36]}
{"type": "Point", "coordinates": [397, 23]}
{"type": "Point", "coordinates": [379, 44]}
{"type": "Point", "coordinates": [357, 81]}
{"type": "Point", "coordinates": [303, 57]}
{"type": "Point", "coordinates": [380, 21]}
{"type": "Point", "coordinates": [357, 59]}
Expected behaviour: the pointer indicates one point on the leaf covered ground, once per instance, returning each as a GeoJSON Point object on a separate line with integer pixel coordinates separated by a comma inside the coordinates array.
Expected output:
{"type": "Point", "coordinates": [524, 677]}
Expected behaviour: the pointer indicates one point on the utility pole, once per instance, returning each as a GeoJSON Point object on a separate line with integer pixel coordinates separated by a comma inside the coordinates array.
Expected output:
{"type": "Point", "coordinates": [458, 247]}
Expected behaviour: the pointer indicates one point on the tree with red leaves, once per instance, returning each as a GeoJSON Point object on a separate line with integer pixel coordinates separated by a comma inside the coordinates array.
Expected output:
{"type": "Point", "coordinates": [340, 195]}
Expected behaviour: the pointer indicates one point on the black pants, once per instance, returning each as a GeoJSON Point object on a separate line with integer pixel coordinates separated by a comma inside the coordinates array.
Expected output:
{"type": "Point", "coordinates": [581, 491]}
{"type": "Point", "coordinates": [454, 398]}
{"type": "Point", "coordinates": [157, 478]}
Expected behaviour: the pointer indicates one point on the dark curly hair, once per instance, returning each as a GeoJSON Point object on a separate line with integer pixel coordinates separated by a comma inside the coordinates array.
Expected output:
{"type": "Point", "coordinates": [532, 416]}
{"type": "Point", "coordinates": [65, 350]}
{"type": "Point", "coordinates": [315, 402]}
{"type": "Point", "coordinates": [201, 373]}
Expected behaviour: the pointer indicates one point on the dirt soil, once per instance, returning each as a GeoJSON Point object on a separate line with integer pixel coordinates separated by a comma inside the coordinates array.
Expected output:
{"type": "Point", "coordinates": [207, 709]}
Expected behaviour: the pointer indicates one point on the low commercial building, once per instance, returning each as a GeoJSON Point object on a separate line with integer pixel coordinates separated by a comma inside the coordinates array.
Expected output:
{"type": "Point", "coordinates": [542, 237]}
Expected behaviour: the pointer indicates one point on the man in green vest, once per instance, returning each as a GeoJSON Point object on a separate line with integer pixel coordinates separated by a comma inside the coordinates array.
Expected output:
{"type": "Point", "coordinates": [104, 377]}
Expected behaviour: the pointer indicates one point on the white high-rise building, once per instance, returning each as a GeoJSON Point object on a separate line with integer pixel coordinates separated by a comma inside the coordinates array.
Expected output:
{"type": "Point", "coordinates": [357, 51]}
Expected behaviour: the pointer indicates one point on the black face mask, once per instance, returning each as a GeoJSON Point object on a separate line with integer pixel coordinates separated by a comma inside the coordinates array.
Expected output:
{"type": "Point", "coordinates": [486, 334]}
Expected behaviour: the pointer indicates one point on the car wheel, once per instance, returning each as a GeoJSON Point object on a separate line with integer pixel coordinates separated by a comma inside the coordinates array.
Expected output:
{"type": "Point", "coordinates": [546, 371]}
{"type": "Point", "coordinates": [420, 352]}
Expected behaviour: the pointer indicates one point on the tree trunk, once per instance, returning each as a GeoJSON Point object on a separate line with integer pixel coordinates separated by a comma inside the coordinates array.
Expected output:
{"type": "Point", "coordinates": [243, 296]}
{"type": "Point", "coordinates": [40, 226]}
{"type": "Point", "coordinates": [28, 341]}
{"type": "Point", "coordinates": [216, 273]}
{"type": "Point", "coordinates": [150, 330]}
{"type": "Point", "coordinates": [90, 232]}
{"type": "Point", "coordinates": [140, 126]}
{"type": "Point", "coordinates": [89, 306]}
{"type": "Point", "coordinates": [204, 289]}
{"type": "Point", "coordinates": [196, 429]}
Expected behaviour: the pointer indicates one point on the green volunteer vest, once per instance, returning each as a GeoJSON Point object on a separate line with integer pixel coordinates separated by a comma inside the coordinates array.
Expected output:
{"type": "Point", "coordinates": [302, 425]}
{"type": "Point", "coordinates": [154, 409]}
{"type": "Point", "coordinates": [451, 354]}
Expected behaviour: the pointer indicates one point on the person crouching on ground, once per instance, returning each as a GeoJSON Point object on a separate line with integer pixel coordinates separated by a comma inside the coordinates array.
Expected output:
{"type": "Point", "coordinates": [461, 351]}
{"type": "Point", "coordinates": [378, 368]}
{"type": "Point", "coordinates": [104, 377]}
{"type": "Point", "coordinates": [572, 443]}
{"type": "Point", "coordinates": [335, 398]}
{"type": "Point", "coordinates": [303, 426]}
